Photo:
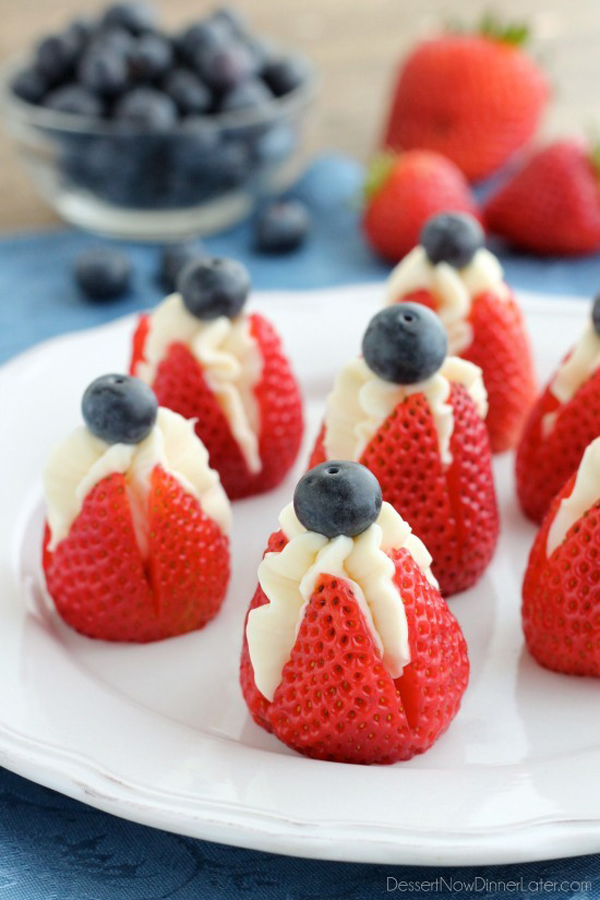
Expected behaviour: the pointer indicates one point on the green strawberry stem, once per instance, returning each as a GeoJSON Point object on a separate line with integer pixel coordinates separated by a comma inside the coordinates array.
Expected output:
{"type": "Point", "coordinates": [516, 34]}
{"type": "Point", "coordinates": [594, 157]}
{"type": "Point", "coordinates": [378, 172]}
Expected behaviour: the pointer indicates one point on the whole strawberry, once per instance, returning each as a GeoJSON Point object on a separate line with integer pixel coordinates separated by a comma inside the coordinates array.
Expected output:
{"type": "Point", "coordinates": [561, 589]}
{"type": "Point", "coordinates": [563, 421]}
{"type": "Point", "coordinates": [350, 654]}
{"type": "Point", "coordinates": [403, 191]}
{"type": "Point", "coordinates": [209, 361]}
{"type": "Point", "coordinates": [136, 545]}
{"type": "Point", "coordinates": [476, 98]}
{"type": "Point", "coordinates": [415, 419]}
{"type": "Point", "coordinates": [552, 204]}
{"type": "Point", "coordinates": [453, 273]}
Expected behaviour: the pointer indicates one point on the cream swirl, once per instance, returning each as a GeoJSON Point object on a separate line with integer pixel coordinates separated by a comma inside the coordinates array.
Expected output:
{"type": "Point", "coordinates": [586, 492]}
{"type": "Point", "coordinates": [228, 356]}
{"type": "Point", "coordinates": [288, 580]}
{"type": "Point", "coordinates": [453, 289]}
{"type": "Point", "coordinates": [361, 401]}
{"type": "Point", "coordinates": [83, 460]}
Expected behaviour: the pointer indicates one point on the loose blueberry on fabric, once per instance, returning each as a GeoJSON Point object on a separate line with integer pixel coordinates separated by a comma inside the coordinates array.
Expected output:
{"type": "Point", "coordinates": [103, 273]}
{"type": "Point", "coordinates": [119, 409]}
{"type": "Point", "coordinates": [281, 227]}
{"type": "Point", "coordinates": [338, 498]}
{"type": "Point", "coordinates": [405, 343]}
{"type": "Point", "coordinates": [174, 258]}
{"type": "Point", "coordinates": [596, 315]}
{"type": "Point", "coordinates": [453, 238]}
{"type": "Point", "coordinates": [214, 287]}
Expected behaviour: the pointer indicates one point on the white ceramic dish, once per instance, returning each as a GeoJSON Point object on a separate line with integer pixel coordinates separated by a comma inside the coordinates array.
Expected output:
{"type": "Point", "coordinates": [160, 733]}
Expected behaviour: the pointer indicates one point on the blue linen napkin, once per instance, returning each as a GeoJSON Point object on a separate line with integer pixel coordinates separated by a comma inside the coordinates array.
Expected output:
{"type": "Point", "coordinates": [53, 847]}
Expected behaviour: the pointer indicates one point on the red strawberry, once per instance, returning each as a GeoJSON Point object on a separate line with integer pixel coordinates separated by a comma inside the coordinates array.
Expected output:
{"type": "Point", "coordinates": [452, 509]}
{"type": "Point", "coordinates": [180, 385]}
{"type": "Point", "coordinates": [561, 594]}
{"type": "Point", "coordinates": [102, 585]}
{"type": "Point", "coordinates": [403, 192]}
{"type": "Point", "coordinates": [337, 701]}
{"type": "Point", "coordinates": [500, 348]}
{"type": "Point", "coordinates": [546, 461]}
{"type": "Point", "coordinates": [476, 98]}
{"type": "Point", "coordinates": [552, 204]}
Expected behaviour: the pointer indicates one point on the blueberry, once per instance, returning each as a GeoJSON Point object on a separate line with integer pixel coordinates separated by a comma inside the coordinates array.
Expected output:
{"type": "Point", "coordinates": [275, 145]}
{"type": "Point", "coordinates": [150, 58]}
{"type": "Point", "coordinates": [596, 315]}
{"type": "Point", "coordinates": [55, 57]}
{"type": "Point", "coordinates": [223, 68]}
{"type": "Point", "coordinates": [232, 19]}
{"type": "Point", "coordinates": [81, 31]}
{"type": "Point", "coordinates": [405, 343]}
{"type": "Point", "coordinates": [284, 75]}
{"type": "Point", "coordinates": [103, 69]}
{"type": "Point", "coordinates": [135, 17]}
{"type": "Point", "coordinates": [202, 37]}
{"type": "Point", "coordinates": [146, 107]}
{"type": "Point", "coordinates": [281, 227]}
{"type": "Point", "coordinates": [174, 258]}
{"type": "Point", "coordinates": [74, 99]}
{"type": "Point", "coordinates": [251, 94]}
{"type": "Point", "coordinates": [187, 91]}
{"type": "Point", "coordinates": [119, 409]}
{"type": "Point", "coordinates": [117, 38]}
{"type": "Point", "coordinates": [453, 238]}
{"type": "Point", "coordinates": [30, 85]}
{"type": "Point", "coordinates": [103, 273]}
{"type": "Point", "coordinates": [214, 287]}
{"type": "Point", "coordinates": [338, 498]}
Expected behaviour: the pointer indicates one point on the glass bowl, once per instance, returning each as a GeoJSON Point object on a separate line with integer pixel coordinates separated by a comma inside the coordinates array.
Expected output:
{"type": "Point", "coordinates": [199, 178]}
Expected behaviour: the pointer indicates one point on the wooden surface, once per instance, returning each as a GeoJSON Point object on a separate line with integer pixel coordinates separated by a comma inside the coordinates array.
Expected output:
{"type": "Point", "coordinates": [356, 45]}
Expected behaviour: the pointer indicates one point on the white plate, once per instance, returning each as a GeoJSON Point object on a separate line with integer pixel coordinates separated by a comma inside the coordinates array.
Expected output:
{"type": "Point", "coordinates": [160, 733]}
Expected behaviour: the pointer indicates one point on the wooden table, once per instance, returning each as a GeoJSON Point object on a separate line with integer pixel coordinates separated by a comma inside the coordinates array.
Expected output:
{"type": "Point", "coordinates": [356, 45]}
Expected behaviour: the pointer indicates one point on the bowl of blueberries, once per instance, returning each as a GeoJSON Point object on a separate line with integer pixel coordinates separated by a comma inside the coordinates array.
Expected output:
{"type": "Point", "coordinates": [134, 132]}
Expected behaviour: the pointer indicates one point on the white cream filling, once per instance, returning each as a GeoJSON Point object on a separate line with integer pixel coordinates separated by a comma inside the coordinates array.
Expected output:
{"type": "Point", "coordinates": [83, 460]}
{"type": "Point", "coordinates": [229, 357]}
{"type": "Point", "coordinates": [288, 579]}
{"type": "Point", "coordinates": [361, 401]}
{"type": "Point", "coordinates": [454, 289]}
{"type": "Point", "coordinates": [586, 492]}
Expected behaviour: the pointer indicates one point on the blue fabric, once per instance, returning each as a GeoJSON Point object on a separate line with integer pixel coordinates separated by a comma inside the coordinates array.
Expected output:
{"type": "Point", "coordinates": [54, 848]}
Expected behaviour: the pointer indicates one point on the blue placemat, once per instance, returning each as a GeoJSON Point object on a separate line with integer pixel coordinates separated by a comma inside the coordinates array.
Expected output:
{"type": "Point", "coordinates": [53, 848]}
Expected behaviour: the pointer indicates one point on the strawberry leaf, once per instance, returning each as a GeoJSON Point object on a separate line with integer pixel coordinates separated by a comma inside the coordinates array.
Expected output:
{"type": "Point", "coordinates": [378, 172]}
{"type": "Point", "coordinates": [515, 34]}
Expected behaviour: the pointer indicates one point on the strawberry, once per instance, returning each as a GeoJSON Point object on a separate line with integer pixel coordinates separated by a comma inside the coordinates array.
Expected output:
{"type": "Point", "coordinates": [337, 701]}
{"type": "Point", "coordinates": [403, 191]}
{"type": "Point", "coordinates": [552, 204]}
{"type": "Point", "coordinates": [545, 461]}
{"type": "Point", "coordinates": [488, 331]}
{"type": "Point", "coordinates": [475, 98]}
{"type": "Point", "coordinates": [561, 591]}
{"type": "Point", "coordinates": [451, 508]}
{"type": "Point", "coordinates": [180, 385]}
{"type": "Point", "coordinates": [501, 349]}
{"type": "Point", "coordinates": [105, 588]}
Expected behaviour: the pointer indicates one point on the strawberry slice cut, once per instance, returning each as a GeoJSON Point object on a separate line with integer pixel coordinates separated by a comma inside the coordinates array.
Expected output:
{"type": "Point", "coordinates": [102, 585]}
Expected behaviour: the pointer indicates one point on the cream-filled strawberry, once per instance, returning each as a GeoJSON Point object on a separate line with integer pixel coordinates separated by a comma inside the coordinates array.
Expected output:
{"type": "Point", "coordinates": [136, 544]}
{"type": "Point", "coordinates": [416, 419]}
{"type": "Point", "coordinates": [563, 421]}
{"type": "Point", "coordinates": [350, 652]}
{"type": "Point", "coordinates": [455, 275]}
{"type": "Point", "coordinates": [208, 360]}
{"type": "Point", "coordinates": [561, 589]}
